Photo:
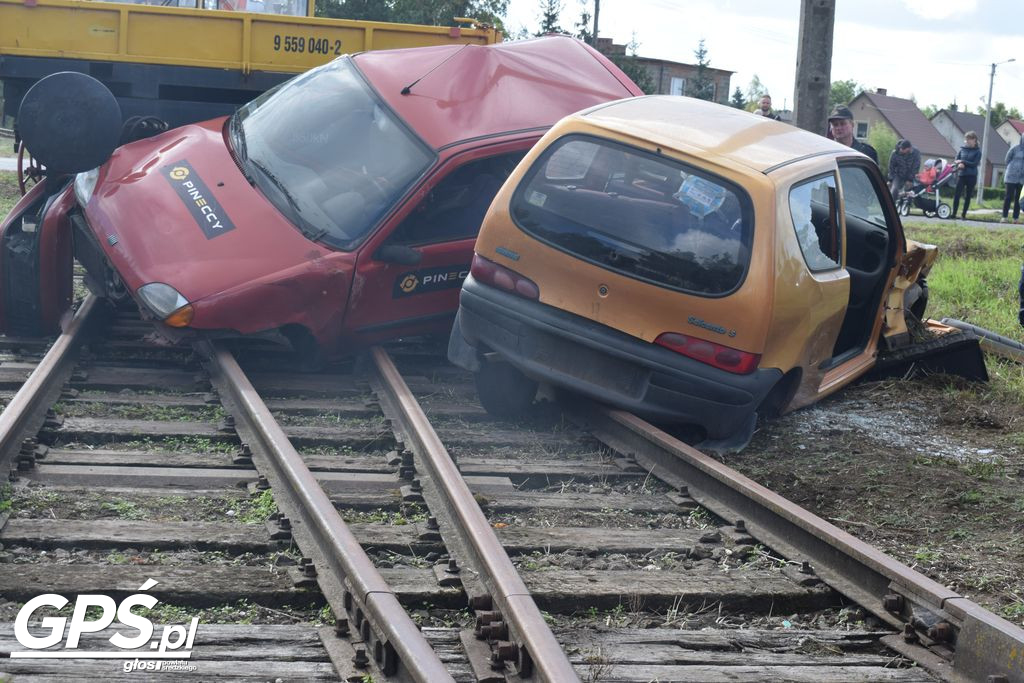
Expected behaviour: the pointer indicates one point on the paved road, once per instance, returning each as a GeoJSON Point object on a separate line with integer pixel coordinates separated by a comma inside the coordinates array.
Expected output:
{"type": "Point", "coordinates": [987, 223]}
{"type": "Point", "coordinates": [8, 164]}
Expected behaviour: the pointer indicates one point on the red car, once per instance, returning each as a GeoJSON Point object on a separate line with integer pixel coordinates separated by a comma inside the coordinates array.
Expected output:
{"type": "Point", "coordinates": [336, 210]}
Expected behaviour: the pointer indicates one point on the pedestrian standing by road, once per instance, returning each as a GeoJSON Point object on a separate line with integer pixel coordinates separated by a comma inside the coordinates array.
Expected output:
{"type": "Point", "coordinates": [840, 129]}
{"type": "Point", "coordinates": [967, 160]}
{"type": "Point", "coordinates": [1014, 180]}
{"type": "Point", "coordinates": [764, 108]}
{"type": "Point", "coordinates": [904, 163]}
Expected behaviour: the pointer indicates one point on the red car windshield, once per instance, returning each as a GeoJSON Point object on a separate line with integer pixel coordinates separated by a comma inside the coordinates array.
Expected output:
{"type": "Point", "coordinates": [328, 153]}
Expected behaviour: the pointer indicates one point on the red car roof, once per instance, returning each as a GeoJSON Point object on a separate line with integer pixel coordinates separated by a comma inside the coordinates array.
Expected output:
{"type": "Point", "coordinates": [470, 91]}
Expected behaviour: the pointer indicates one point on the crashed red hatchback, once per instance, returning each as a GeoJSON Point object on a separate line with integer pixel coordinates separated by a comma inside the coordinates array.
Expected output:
{"type": "Point", "coordinates": [337, 210]}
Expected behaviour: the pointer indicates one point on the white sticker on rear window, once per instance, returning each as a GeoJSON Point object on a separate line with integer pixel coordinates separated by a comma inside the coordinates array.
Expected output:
{"type": "Point", "coordinates": [700, 196]}
{"type": "Point", "coordinates": [537, 198]}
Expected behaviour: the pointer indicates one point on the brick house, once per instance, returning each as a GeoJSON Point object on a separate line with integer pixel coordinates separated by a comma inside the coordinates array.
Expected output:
{"type": "Point", "coordinates": [671, 78]}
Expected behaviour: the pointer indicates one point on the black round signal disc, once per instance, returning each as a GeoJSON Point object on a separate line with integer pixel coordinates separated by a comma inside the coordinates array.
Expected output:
{"type": "Point", "coordinates": [70, 122]}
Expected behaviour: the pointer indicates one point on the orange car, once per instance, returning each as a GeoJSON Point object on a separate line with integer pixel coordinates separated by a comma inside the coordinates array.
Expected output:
{"type": "Point", "coordinates": [692, 263]}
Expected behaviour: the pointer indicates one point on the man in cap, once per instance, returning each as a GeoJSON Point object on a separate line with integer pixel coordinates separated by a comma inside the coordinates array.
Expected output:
{"type": "Point", "coordinates": [840, 129]}
{"type": "Point", "coordinates": [903, 166]}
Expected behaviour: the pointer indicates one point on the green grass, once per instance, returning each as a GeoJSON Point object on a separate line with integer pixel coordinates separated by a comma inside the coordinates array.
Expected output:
{"type": "Point", "coordinates": [9, 193]}
{"type": "Point", "coordinates": [975, 280]}
{"type": "Point", "coordinates": [257, 509]}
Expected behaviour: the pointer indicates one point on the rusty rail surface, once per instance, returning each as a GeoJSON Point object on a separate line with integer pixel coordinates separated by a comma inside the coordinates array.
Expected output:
{"type": "Point", "coordinates": [28, 405]}
{"type": "Point", "coordinates": [950, 635]}
{"type": "Point", "coordinates": [534, 645]}
{"type": "Point", "coordinates": [347, 576]}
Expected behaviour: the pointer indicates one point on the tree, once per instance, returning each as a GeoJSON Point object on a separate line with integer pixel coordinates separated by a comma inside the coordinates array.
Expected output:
{"type": "Point", "coordinates": [930, 111]}
{"type": "Point", "coordinates": [441, 12]}
{"type": "Point", "coordinates": [429, 12]}
{"type": "Point", "coordinates": [522, 34]}
{"type": "Point", "coordinates": [362, 10]}
{"type": "Point", "coordinates": [843, 92]}
{"type": "Point", "coordinates": [549, 12]}
{"type": "Point", "coordinates": [1000, 113]}
{"type": "Point", "coordinates": [633, 67]}
{"type": "Point", "coordinates": [584, 26]}
{"type": "Point", "coordinates": [737, 99]}
{"type": "Point", "coordinates": [756, 89]}
{"type": "Point", "coordinates": [701, 86]}
{"type": "Point", "coordinates": [883, 139]}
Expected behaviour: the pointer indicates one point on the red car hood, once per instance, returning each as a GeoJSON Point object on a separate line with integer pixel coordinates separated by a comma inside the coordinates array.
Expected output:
{"type": "Point", "coordinates": [178, 210]}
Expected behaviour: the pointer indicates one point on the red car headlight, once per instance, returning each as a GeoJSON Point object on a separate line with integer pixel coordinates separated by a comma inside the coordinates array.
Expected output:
{"type": "Point", "coordinates": [167, 304]}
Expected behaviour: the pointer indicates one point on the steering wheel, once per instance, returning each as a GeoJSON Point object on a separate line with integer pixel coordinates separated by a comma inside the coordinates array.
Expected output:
{"type": "Point", "coordinates": [30, 171]}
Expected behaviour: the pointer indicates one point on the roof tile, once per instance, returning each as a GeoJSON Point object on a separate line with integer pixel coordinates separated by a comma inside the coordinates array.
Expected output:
{"type": "Point", "coordinates": [908, 122]}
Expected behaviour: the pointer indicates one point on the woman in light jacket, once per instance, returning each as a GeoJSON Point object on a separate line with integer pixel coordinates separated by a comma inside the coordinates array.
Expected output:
{"type": "Point", "coordinates": [1014, 179]}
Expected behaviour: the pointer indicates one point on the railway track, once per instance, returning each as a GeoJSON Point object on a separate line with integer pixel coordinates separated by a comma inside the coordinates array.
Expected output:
{"type": "Point", "coordinates": [373, 523]}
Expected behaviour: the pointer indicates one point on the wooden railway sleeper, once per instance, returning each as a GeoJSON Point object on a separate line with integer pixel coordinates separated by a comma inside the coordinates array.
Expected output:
{"type": "Point", "coordinates": [944, 632]}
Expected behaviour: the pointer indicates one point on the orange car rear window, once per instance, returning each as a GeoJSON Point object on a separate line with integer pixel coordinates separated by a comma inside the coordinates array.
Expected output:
{"type": "Point", "coordinates": [639, 214]}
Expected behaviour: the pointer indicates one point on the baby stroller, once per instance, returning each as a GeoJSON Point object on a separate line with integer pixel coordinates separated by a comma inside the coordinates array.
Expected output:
{"type": "Point", "coordinates": [924, 194]}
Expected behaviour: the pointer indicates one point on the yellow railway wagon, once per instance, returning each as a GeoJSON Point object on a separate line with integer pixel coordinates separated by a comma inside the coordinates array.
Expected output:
{"type": "Point", "coordinates": [184, 64]}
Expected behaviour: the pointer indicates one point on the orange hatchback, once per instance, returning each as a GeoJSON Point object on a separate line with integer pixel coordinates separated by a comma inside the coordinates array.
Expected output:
{"type": "Point", "coordinates": [692, 263]}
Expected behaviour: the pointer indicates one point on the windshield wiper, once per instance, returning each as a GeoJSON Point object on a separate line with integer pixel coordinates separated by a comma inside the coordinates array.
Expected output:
{"type": "Point", "coordinates": [238, 136]}
{"type": "Point", "coordinates": [238, 146]}
{"type": "Point", "coordinates": [281, 187]}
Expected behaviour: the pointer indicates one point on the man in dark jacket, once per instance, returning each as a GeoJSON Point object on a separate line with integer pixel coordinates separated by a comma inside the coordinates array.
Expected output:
{"type": "Point", "coordinates": [840, 129]}
{"type": "Point", "coordinates": [967, 160]}
{"type": "Point", "coordinates": [904, 164]}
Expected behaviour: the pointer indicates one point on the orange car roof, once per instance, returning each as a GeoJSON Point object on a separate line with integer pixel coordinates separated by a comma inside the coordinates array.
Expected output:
{"type": "Point", "coordinates": [715, 132]}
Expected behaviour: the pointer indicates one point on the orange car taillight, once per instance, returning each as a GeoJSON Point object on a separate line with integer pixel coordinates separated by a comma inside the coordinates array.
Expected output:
{"type": "Point", "coordinates": [716, 355]}
{"type": "Point", "coordinates": [490, 273]}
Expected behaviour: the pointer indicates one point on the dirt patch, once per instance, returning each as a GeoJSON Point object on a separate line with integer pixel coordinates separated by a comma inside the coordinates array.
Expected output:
{"type": "Point", "coordinates": [927, 470]}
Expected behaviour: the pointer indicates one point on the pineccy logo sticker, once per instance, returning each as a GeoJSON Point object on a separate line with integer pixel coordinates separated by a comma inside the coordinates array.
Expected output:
{"type": "Point", "coordinates": [205, 209]}
{"type": "Point", "coordinates": [409, 283]}
{"type": "Point", "coordinates": [429, 280]}
{"type": "Point", "coordinates": [175, 641]}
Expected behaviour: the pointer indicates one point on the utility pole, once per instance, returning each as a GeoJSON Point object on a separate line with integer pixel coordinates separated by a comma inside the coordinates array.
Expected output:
{"type": "Point", "coordinates": [984, 132]}
{"type": "Point", "coordinates": [814, 64]}
{"type": "Point", "coordinates": [597, 11]}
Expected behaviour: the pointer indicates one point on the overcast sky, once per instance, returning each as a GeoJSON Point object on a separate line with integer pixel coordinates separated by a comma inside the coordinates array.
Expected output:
{"type": "Point", "coordinates": [937, 51]}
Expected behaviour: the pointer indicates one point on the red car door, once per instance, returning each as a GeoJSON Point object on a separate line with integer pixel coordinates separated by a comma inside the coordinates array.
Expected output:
{"type": "Point", "coordinates": [392, 295]}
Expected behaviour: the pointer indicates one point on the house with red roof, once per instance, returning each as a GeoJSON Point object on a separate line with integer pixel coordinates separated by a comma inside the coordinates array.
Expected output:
{"type": "Point", "coordinates": [1011, 130]}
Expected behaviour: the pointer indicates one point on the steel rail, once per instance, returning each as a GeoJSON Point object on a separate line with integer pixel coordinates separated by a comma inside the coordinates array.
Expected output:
{"type": "Point", "coordinates": [344, 556]}
{"type": "Point", "coordinates": [36, 393]}
{"type": "Point", "coordinates": [515, 603]}
{"type": "Point", "coordinates": [979, 643]}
